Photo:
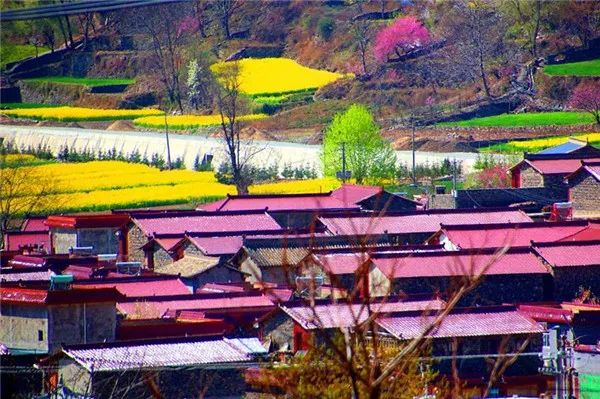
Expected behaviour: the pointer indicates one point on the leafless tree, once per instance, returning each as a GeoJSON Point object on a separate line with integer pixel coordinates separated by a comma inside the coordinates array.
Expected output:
{"type": "Point", "coordinates": [231, 104]}
{"type": "Point", "coordinates": [23, 190]}
{"type": "Point", "coordinates": [163, 25]}
{"type": "Point", "coordinates": [225, 9]}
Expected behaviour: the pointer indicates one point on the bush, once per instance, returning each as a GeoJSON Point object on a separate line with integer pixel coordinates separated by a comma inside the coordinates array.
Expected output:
{"type": "Point", "coordinates": [325, 27]}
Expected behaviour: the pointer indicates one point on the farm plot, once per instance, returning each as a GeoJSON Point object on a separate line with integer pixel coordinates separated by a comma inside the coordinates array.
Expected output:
{"type": "Point", "coordinates": [103, 185]}
{"type": "Point", "coordinates": [74, 114]}
{"type": "Point", "coordinates": [526, 119]}
{"type": "Point", "coordinates": [582, 68]}
{"type": "Point", "coordinates": [279, 76]}
{"type": "Point", "coordinates": [184, 122]}
{"type": "Point", "coordinates": [535, 145]}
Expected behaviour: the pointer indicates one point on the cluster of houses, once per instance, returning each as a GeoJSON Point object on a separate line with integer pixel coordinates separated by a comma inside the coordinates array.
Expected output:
{"type": "Point", "coordinates": [130, 303]}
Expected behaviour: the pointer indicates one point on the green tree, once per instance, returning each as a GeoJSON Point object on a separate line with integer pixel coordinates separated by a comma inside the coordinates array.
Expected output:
{"type": "Point", "coordinates": [368, 155]}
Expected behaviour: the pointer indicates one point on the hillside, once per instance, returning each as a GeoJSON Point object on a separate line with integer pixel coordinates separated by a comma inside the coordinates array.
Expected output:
{"type": "Point", "coordinates": [302, 62]}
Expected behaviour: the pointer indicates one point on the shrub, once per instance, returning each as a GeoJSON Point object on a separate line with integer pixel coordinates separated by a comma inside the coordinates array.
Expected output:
{"type": "Point", "coordinates": [325, 27]}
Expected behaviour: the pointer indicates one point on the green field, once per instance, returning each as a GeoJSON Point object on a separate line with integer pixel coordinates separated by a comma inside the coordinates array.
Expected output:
{"type": "Point", "coordinates": [26, 105]}
{"type": "Point", "coordinates": [15, 52]}
{"type": "Point", "coordinates": [526, 119]}
{"type": "Point", "coordinates": [89, 82]}
{"type": "Point", "coordinates": [583, 68]}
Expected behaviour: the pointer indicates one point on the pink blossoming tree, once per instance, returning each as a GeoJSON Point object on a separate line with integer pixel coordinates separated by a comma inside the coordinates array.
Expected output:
{"type": "Point", "coordinates": [403, 35]}
{"type": "Point", "coordinates": [586, 97]}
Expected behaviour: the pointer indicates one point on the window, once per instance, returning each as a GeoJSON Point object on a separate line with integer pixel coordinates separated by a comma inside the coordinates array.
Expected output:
{"type": "Point", "coordinates": [40, 335]}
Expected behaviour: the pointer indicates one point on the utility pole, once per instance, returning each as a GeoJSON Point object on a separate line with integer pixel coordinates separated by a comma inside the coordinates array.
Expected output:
{"type": "Point", "coordinates": [414, 163]}
{"type": "Point", "coordinates": [454, 176]}
{"type": "Point", "coordinates": [343, 162]}
{"type": "Point", "coordinates": [168, 144]}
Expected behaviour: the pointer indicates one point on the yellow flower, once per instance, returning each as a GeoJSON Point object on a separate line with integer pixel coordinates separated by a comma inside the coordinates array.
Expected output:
{"type": "Point", "coordinates": [279, 75]}
{"type": "Point", "coordinates": [182, 122]}
{"type": "Point", "coordinates": [66, 114]}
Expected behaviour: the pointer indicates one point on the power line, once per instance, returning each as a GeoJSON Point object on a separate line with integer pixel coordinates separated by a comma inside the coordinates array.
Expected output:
{"type": "Point", "coordinates": [79, 7]}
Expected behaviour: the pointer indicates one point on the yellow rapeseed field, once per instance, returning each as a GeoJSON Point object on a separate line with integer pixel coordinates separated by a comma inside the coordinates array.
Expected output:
{"type": "Point", "coordinates": [535, 144]}
{"type": "Point", "coordinates": [183, 122]}
{"type": "Point", "coordinates": [279, 75]}
{"type": "Point", "coordinates": [296, 186]}
{"type": "Point", "coordinates": [102, 185]}
{"type": "Point", "coordinates": [71, 114]}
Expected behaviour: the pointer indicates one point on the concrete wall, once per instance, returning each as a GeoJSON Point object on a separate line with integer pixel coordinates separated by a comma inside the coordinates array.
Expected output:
{"type": "Point", "coordinates": [20, 327]}
{"type": "Point", "coordinates": [584, 192]}
{"type": "Point", "coordinates": [104, 240]}
{"type": "Point", "coordinates": [75, 377]}
{"type": "Point", "coordinates": [62, 240]}
{"type": "Point", "coordinates": [81, 323]}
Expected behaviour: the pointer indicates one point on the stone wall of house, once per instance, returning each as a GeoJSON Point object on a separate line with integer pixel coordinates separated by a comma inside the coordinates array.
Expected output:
{"type": "Point", "coordinates": [567, 281]}
{"type": "Point", "coordinates": [442, 201]}
{"type": "Point", "coordinates": [530, 177]}
{"type": "Point", "coordinates": [24, 327]}
{"type": "Point", "coordinates": [584, 193]}
{"type": "Point", "coordinates": [218, 274]}
{"type": "Point", "coordinates": [252, 272]}
{"type": "Point", "coordinates": [279, 328]}
{"type": "Point", "coordinates": [81, 323]}
{"type": "Point", "coordinates": [104, 240]}
{"type": "Point", "coordinates": [191, 249]}
{"type": "Point", "coordinates": [492, 290]}
{"type": "Point", "coordinates": [135, 240]}
{"type": "Point", "coordinates": [161, 256]}
{"type": "Point", "coordinates": [62, 240]}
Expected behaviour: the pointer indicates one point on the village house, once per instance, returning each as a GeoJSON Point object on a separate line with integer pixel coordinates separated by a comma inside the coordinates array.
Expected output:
{"type": "Point", "coordinates": [177, 367]}
{"type": "Point", "coordinates": [312, 322]}
{"type": "Point", "coordinates": [547, 170]}
{"type": "Point", "coordinates": [472, 338]}
{"type": "Point", "coordinates": [416, 227]}
{"type": "Point", "coordinates": [144, 226]}
{"type": "Point", "coordinates": [584, 189]}
{"type": "Point", "coordinates": [515, 276]}
{"type": "Point", "coordinates": [574, 265]}
{"type": "Point", "coordinates": [498, 235]}
{"type": "Point", "coordinates": [37, 319]}
{"type": "Point", "coordinates": [99, 234]}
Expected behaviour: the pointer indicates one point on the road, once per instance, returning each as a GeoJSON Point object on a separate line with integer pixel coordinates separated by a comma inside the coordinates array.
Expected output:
{"type": "Point", "coordinates": [188, 146]}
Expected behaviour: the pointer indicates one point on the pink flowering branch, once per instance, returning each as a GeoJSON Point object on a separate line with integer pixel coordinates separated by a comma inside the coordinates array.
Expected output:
{"type": "Point", "coordinates": [403, 35]}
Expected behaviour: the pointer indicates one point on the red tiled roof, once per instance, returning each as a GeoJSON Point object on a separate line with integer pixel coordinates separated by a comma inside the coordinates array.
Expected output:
{"type": "Point", "coordinates": [216, 246]}
{"type": "Point", "coordinates": [419, 221]}
{"type": "Point", "coordinates": [547, 314]}
{"type": "Point", "coordinates": [354, 193]}
{"type": "Point", "coordinates": [90, 221]}
{"type": "Point", "coordinates": [342, 263]}
{"type": "Point", "coordinates": [590, 233]}
{"type": "Point", "coordinates": [20, 261]}
{"type": "Point", "coordinates": [34, 224]}
{"type": "Point", "coordinates": [140, 286]}
{"type": "Point", "coordinates": [568, 254]}
{"type": "Point", "coordinates": [38, 296]}
{"type": "Point", "coordinates": [345, 315]}
{"type": "Point", "coordinates": [557, 166]}
{"type": "Point", "coordinates": [458, 263]}
{"type": "Point", "coordinates": [159, 306]}
{"type": "Point", "coordinates": [591, 167]}
{"type": "Point", "coordinates": [169, 243]}
{"type": "Point", "coordinates": [209, 222]}
{"type": "Point", "coordinates": [215, 287]}
{"type": "Point", "coordinates": [280, 202]}
{"type": "Point", "coordinates": [507, 234]}
{"type": "Point", "coordinates": [30, 275]}
{"type": "Point", "coordinates": [16, 239]}
{"type": "Point", "coordinates": [462, 323]}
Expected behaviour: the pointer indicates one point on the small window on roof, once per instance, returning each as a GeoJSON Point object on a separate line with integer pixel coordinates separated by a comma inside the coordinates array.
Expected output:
{"type": "Point", "coordinates": [40, 335]}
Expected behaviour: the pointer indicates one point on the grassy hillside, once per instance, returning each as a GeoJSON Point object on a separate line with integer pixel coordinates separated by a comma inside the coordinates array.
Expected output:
{"type": "Point", "coordinates": [583, 68]}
